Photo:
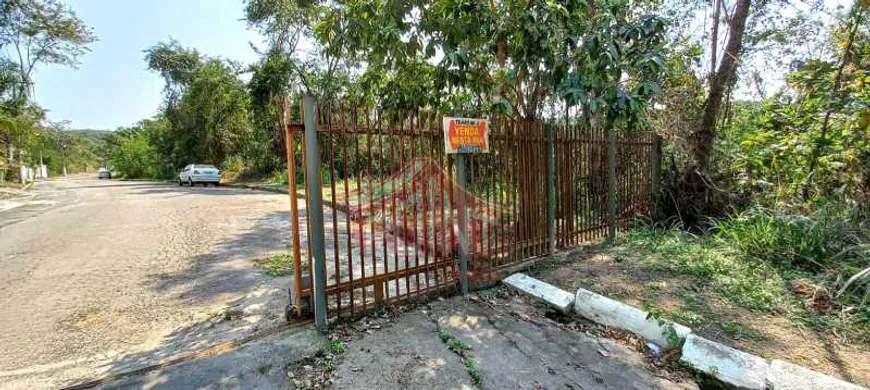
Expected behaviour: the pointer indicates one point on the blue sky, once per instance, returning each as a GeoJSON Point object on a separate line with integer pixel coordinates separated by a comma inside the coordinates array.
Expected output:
{"type": "Point", "coordinates": [111, 86]}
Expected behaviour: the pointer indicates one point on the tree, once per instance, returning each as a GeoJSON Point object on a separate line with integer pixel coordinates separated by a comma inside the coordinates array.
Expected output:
{"type": "Point", "coordinates": [42, 31]}
{"type": "Point", "coordinates": [720, 80]}
{"type": "Point", "coordinates": [206, 105]}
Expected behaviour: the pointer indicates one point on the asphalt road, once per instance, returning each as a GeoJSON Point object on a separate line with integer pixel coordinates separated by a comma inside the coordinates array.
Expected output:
{"type": "Point", "coordinates": [97, 277]}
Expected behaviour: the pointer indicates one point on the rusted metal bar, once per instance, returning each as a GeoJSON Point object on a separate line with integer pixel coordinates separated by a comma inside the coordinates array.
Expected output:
{"type": "Point", "coordinates": [370, 180]}
{"type": "Point", "coordinates": [380, 131]}
{"type": "Point", "coordinates": [404, 163]}
{"type": "Point", "coordinates": [361, 216]}
{"type": "Point", "coordinates": [348, 227]}
{"type": "Point", "coordinates": [294, 210]}
{"type": "Point", "coordinates": [393, 227]}
{"type": "Point", "coordinates": [330, 139]}
{"type": "Point", "coordinates": [425, 154]}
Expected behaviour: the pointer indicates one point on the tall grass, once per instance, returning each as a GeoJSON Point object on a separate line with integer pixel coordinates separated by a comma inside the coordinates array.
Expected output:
{"type": "Point", "coordinates": [828, 237]}
{"type": "Point", "coordinates": [830, 246]}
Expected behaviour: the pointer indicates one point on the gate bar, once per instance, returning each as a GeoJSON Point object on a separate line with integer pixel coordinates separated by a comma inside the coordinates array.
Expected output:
{"type": "Point", "coordinates": [459, 158]}
{"type": "Point", "coordinates": [294, 209]}
{"type": "Point", "coordinates": [315, 213]}
{"type": "Point", "coordinates": [551, 189]}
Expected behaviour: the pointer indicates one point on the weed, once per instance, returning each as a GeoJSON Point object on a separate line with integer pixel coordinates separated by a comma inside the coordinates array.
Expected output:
{"type": "Point", "coordinates": [276, 265]}
{"type": "Point", "coordinates": [488, 294]}
{"type": "Point", "coordinates": [264, 369]}
{"type": "Point", "coordinates": [444, 335]}
{"type": "Point", "coordinates": [457, 345]}
{"type": "Point", "coordinates": [473, 369]}
{"type": "Point", "coordinates": [670, 332]}
{"type": "Point", "coordinates": [337, 347]}
{"type": "Point", "coordinates": [541, 304]}
{"type": "Point", "coordinates": [462, 349]}
{"type": "Point", "coordinates": [229, 315]}
{"type": "Point", "coordinates": [328, 365]}
{"type": "Point", "coordinates": [322, 350]}
{"type": "Point", "coordinates": [691, 319]}
{"type": "Point", "coordinates": [738, 331]}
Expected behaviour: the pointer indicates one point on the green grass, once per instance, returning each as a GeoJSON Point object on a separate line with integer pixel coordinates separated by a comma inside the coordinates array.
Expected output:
{"type": "Point", "coordinates": [740, 281]}
{"type": "Point", "coordinates": [276, 265]}
{"type": "Point", "coordinates": [745, 273]}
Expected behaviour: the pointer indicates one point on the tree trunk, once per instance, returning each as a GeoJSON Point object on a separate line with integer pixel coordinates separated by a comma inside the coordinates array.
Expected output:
{"type": "Point", "coordinates": [702, 139]}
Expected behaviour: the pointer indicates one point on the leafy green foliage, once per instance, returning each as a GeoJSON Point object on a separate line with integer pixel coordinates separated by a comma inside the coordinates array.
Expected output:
{"type": "Point", "coordinates": [823, 238]}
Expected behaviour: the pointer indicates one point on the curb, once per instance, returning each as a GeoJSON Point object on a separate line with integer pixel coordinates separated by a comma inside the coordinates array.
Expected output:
{"type": "Point", "coordinates": [257, 188]}
{"type": "Point", "coordinates": [732, 366]}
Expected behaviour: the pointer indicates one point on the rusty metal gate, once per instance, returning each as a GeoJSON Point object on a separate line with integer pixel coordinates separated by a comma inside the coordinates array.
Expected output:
{"type": "Point", "coordinates": [390, 212]}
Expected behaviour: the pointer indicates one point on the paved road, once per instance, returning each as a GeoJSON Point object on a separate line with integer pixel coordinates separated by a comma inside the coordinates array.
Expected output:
{"type": "Point", "coordinates": [102, 276]}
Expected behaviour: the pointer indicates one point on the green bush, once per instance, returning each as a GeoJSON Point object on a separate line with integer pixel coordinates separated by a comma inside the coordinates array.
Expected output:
{"type": "Point", "coordinates": [828, 237]}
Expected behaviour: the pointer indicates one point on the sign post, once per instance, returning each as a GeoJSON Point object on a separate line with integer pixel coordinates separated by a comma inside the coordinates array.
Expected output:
{"type": "Point", "coordinates": [464, 136]}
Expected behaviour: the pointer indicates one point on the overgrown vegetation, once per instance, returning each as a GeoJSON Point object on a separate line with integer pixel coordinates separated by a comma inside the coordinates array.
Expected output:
{"type": "Point", "coordinates": [741, 275]}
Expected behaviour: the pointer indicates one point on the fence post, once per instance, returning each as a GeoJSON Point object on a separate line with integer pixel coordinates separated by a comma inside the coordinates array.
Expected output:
{"type": "Point", "coordinates": [551, 189]}
{"type": "Point", "coordinates": [656, 164]}
{"type": "Point", "coordinates": [459, 158]}
{"type": "Point", "coordinates": [315, 213]}
{"type": "Point", "coordinates": [611, 176]}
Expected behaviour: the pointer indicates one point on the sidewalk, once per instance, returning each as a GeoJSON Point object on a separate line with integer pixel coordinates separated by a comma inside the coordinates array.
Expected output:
{"type": "Point", "coordinates": [498, 343]}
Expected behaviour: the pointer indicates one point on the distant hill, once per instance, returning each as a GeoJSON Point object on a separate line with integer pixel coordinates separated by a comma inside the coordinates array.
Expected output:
{"type": "Point", "coordinates": [92, 136]}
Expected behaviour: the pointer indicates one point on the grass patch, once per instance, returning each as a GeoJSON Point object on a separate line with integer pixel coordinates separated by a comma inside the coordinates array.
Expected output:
{"type": "Point", "coordinates": [740, 281]}
{"type": "Point", "coordinates": [264, 369]}
{"type": "Point", "coordinates": [276, 265]}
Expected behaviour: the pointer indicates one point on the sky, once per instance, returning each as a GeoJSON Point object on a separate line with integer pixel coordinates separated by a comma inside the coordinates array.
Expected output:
{"type": "Point", "coordinates": [112, 87]}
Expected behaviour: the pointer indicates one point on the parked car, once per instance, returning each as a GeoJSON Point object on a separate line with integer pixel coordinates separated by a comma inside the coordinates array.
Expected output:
{"type": "Point", "coordinates": [199, 173]}
{"type": "Point", "coordinates": [104, 173]}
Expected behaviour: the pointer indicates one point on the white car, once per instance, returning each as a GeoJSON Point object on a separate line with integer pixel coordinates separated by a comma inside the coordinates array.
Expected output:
{"type": "Point", "coordinates": [199, 173]}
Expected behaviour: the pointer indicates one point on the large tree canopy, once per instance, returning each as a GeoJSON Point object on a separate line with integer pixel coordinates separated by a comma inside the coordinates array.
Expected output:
{"type": "Point", "coordinates": [515, 57]}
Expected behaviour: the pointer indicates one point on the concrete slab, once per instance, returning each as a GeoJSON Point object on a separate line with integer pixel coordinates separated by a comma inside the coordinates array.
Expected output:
{"type": "Point", "coordinates": [725, 363]}
{"type": "Point", "coordinates": [257, 365]}
{"type": "Point", "coordinates": [555, 297]}
{"type": "Point", "coordinates": [613, 313]}
{"type": "Point", "coordinates": [786, 376]}
{"type": "Point", "coordinates": [407, 355]}
{"type": "Point", "coordinates": [519, 351]}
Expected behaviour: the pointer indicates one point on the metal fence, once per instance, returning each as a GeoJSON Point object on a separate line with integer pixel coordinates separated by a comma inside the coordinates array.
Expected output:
{"type": "Point", "coordinates": [391, 200]}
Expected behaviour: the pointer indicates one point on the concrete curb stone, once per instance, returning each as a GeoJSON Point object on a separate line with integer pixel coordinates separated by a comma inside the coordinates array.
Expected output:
{"type": "Point", "coordinates": [557, 298]}
{"type": "Point", "coordinates": [613, 313]}
{"type": "Point", "coordinates": [727, 364]}
{"type": "Point", "coordinates": [786, 376]}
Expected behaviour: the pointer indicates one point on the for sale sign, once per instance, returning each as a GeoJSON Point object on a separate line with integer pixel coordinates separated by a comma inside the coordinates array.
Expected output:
{"type": "Point", "coordinates": [466, 135]}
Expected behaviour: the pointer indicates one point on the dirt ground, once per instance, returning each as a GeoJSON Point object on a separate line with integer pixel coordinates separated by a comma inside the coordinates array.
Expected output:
{"type": "Point", "coordinates": [683, 299]}
{"type": "Point", "coordinates": [494, 340]}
